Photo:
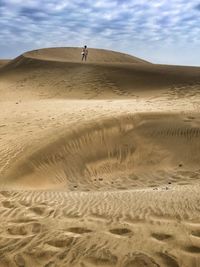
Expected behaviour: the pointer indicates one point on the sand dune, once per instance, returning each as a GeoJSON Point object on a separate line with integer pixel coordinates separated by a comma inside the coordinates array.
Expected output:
{"type": "Point", "coordinates": [73, 54]}
{"type": "Point", "coordinates": [40, 77]}
{"type": "Point", "coordinates": [99, 161]}
{"type": "Point", "coordinates": [3, 62]}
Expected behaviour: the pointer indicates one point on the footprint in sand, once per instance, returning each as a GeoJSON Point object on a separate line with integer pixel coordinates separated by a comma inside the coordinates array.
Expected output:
{"type": "Point", "coordinates": [120, 231]}
{"type": "Point", "coordinates": [8, 204]}
{"type": "Point", "coordinates": [79, 230]}
{"type": "Point", "coordinates": [25, 229]}
{"type": "Point", "coordinates": [192, 249]}
{"type": "Point", "coordinates": [19, 260]}
{"type": "Point", "coordinates": [140, 260]}
{"type": "Point", "coordinates": [196, 233]}
{"type": "Point", "coordinates": [161, 236]}
{"type": "Point", "coordinates": [60, 243]}
{"type": "Point", "coordinates": [169, 260]}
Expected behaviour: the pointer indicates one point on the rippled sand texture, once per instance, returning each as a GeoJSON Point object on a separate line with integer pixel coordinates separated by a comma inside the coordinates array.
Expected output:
{"type": "Point", "coordinates": [99, 161]}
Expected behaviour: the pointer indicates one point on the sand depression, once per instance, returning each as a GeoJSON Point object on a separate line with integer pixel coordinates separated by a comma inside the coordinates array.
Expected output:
{"type": "Point", "coordinates": [123, 152]}
{"type": "Point", "coordinates": [99, 162]}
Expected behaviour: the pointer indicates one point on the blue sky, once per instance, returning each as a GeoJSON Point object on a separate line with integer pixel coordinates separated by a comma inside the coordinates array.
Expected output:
{"type": "Point", "coordinates": [161, 31]}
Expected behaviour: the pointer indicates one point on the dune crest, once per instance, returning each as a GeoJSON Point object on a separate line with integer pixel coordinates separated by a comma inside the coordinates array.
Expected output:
{"type": "Point", "coordinates": [73, 54]}
{"type": "Point", "coordinates": [58, 73]}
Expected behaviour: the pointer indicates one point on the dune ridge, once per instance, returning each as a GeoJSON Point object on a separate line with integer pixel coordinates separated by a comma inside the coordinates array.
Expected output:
{"type": "Point", "coordinates": [99, 161]}
{"type": "Point", "coordinates": [73, 54]}
{"type": "Point", "coordinates": [39, 77]}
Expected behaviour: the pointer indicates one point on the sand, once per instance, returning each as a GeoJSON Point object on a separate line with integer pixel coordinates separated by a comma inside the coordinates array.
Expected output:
{"type": "Point", "coordinates": [3, 62]}
{"type": "Point", "coordinates": [99, 161]}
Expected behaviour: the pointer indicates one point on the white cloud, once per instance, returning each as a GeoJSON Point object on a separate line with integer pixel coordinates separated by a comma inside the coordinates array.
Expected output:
{"type": "Point", "coordinates": [133, 24]}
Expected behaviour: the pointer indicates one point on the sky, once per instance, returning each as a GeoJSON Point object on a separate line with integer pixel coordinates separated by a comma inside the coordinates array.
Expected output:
{"type": "Point", "coordinates": [160, 31]}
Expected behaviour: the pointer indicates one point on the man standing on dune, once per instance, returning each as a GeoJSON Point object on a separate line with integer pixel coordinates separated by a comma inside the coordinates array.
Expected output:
{"type": "Point", "coordinates": [84, 53]}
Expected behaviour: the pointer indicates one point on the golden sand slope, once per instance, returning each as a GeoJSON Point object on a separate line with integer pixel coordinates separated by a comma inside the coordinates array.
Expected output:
{"type": "Point", "coordinates": [123, 152]}
{"type": "Point", "coordinates": [74, 54]}
{"type": "Point", "coordinates": [29, 77]}
{"type": "Point", "coordinates": [99, 162]}
{"type": "Point", "coordinates": [3, 62]}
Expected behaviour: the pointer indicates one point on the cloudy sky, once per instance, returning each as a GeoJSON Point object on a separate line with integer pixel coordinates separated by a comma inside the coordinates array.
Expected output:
{"type": "Point", "coordinates": [162, 31]}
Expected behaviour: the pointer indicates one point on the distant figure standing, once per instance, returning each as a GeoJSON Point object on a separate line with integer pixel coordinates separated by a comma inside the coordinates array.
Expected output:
{"type": "Point", "coordinates": [84, 53]}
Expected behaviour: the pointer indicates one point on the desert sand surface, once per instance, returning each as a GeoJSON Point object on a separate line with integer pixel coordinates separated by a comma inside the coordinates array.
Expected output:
{"type": "Point", "coordinates": [3, 62]}
{"type": "Point", "coordinates": [99, 161]}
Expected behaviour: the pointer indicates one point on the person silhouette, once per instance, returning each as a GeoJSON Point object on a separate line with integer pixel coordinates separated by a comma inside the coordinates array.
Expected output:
{"type": "Point", "coordinates": [84, 53]}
